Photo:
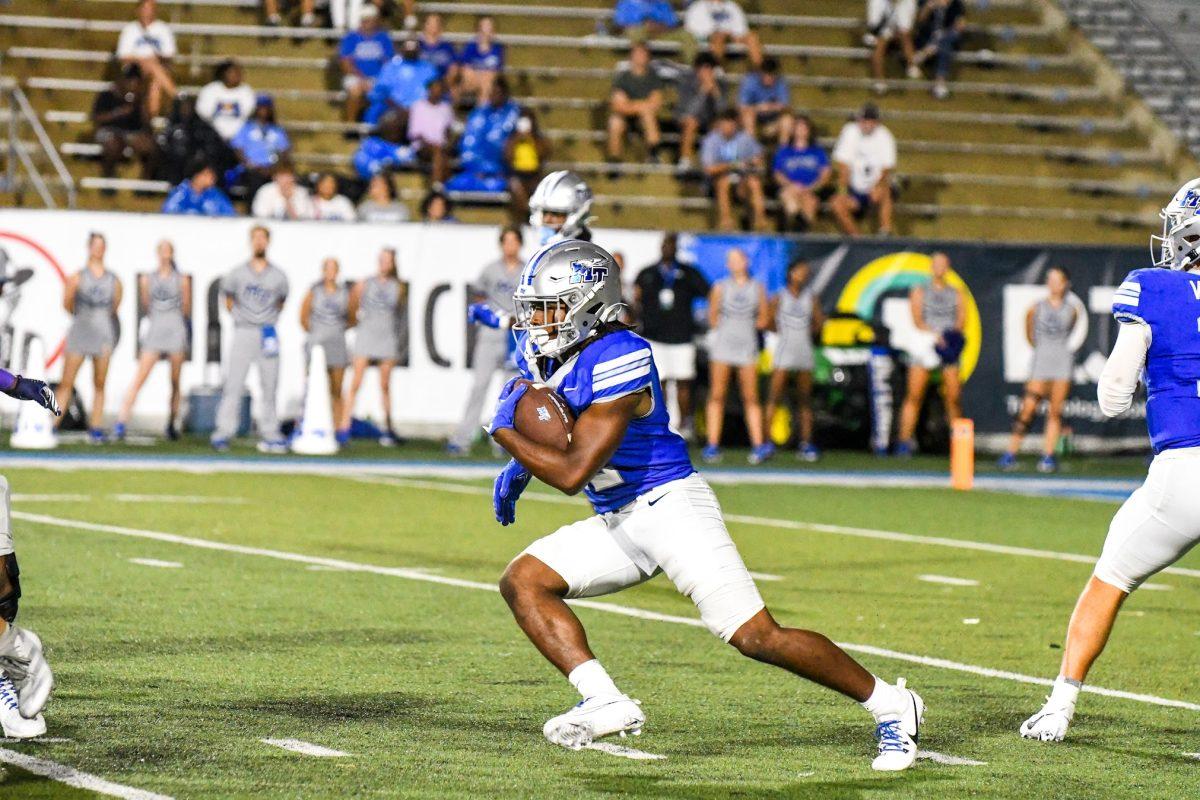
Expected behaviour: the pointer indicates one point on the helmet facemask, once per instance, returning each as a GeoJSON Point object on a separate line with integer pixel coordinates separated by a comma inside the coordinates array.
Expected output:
{"type": "Point", "coordinates": [1179, 246]}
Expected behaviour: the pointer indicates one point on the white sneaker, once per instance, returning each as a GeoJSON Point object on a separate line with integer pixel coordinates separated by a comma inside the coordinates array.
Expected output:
{"type": "Point", "coordinates": [594, 718]}
{"type": "Point", "coordinates": [11, 722]}
{"type": "Point", "coordinates": [898, 736]}
{"type": "Point", "coordinates": [30, 674]}
{"type": "Point", "coordinates": [1050, 724]}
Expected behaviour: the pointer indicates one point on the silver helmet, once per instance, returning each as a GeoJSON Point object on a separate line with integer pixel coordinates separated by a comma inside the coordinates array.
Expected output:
{"type": "Point", "coordinates": [574, 287]}
{"type": "Point", "coordinates": [563, 193]}
{"type": "Point", "coordinates": [1179, 245]}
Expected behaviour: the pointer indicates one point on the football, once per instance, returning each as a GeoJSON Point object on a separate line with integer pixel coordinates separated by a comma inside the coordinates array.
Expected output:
{"type": "Point", "coordinates": [544, 417]}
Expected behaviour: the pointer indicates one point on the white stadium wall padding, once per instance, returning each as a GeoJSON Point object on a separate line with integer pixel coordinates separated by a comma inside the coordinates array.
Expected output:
{"type": "Point", "coordinates": [437, 261]}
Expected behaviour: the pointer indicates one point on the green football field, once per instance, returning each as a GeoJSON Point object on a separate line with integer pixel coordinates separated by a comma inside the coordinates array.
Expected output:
{"type": "Point", "coordinates": [191, 616]}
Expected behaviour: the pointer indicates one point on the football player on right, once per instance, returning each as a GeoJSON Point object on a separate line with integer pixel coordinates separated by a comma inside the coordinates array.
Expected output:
{"type": "Point", "coordinates": [1160, 522]}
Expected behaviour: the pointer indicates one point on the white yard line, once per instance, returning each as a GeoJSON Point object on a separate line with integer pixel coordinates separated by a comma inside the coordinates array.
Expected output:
{"type": "Point", "coordinates": [1156, 587]}
{"type": "Point", "coordinates": [947, 580]}
{"type": "Point", "coordinates": [73, 777]}
{"type": "Point", "coordinates": [949, 760]}
{"type": "Point", "coordinates": [35, 740]}
{"type": "Point", "coordinates": [305, 748]}
{"type": "Point", "coordinates": [787, 524]}
{"type": "Point", "coordinates": [611, 608]}
{"type": "Point", "coordinates": [154, 562]}
{"type": "Point", "coordinates": [187, 499]}
{"type": "Point", "coordinates": [764, 576]}
{"type": "Point", "coordinates": [623, 751]}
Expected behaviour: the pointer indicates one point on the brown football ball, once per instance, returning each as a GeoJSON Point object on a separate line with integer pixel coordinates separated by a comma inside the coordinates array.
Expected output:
{"type": "Point", "coordinates": [544, 417]}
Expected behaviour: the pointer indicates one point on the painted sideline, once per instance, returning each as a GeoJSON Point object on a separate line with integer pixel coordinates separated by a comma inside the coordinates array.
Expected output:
{"type": "Point", "coordinates": [73, 777]}
{"type": "Point", "coordinates": [611, 608]}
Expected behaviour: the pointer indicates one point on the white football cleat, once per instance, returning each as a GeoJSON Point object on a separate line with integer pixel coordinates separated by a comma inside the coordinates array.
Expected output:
{"type": "Point", "coordinates": [30, 673]}
{"type": "Point", "coordinates": [11, 722]}
{"type": "Point", "coordinates": [594, 718]}
{"type": "Point", "coordinates": [898, 736]}
{"type": "Point", "coordinates": [1050, 724]}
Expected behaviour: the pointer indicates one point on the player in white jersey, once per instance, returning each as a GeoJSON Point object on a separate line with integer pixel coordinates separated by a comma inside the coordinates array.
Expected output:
{"type": "Point", "coordinates": [1160, 522]}
{"type": "Point", "coordinates": [654, 513]}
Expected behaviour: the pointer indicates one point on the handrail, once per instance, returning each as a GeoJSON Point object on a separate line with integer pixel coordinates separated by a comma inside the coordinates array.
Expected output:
{"type": "Point", "coordinates": [20, 110]}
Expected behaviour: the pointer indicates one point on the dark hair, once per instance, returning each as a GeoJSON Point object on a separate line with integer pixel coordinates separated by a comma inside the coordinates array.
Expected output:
{"type": "Point", "coordinates": [514, 230]}
{"type": "Point", "coordinates": [728, 114]}
{"type": "Point", "coordinates": [198, 166]}
{"type": "Point", "coordinates": [501, 83]}
{"type": "Point", "coordinates": [812, 128]}
{"type": "Point", "coordinates": [705, 59]}
{"type": "Point", "coordinates": [223, 68]}
{"type": "Point", "coordinates": [130, 71]}
{"type": "Point", "coordinates": [799, 262]}
{"type": "Point", "coordinates": [92, 235]}
{"type": "Point", "coordinates": [1063, 270]}
{"type": "Point", "coordinates": [428, 201]}
{"type": "Point", "coordinates": [395, 273]}
{"type": "Point", "coordinates": [770, 65]}
{"type": "Point", "coordinates": [386, 177]}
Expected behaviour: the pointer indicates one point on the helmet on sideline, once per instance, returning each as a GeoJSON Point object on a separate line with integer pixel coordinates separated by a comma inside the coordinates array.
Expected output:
{"type": "Point", "coordinates": [565, 193]}
{"type": "Point", "coordinates": [1179, 245]}
{"type": "Point", "coordinates": [577, 288]}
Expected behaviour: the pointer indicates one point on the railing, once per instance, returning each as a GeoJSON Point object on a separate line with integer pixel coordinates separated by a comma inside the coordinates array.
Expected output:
{"type": "Point", "coordinates": [20, 154]}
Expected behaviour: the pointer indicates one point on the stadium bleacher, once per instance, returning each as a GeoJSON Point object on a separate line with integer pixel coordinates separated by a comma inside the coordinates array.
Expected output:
{"type": "Point", "coordinates": [1032, 134]}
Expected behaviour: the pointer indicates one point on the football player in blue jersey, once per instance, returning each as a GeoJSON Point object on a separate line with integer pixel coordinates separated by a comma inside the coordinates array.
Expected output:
{"type": "Point", "coordinates": [1158, 310]}
{"type": "Point", "coordinates": [654, 513]}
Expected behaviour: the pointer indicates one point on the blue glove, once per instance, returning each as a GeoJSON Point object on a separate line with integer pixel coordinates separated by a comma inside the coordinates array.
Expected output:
{"type": "Point", "coordinates": [506, 406]}
{"type": "Point", "coordinates": [37, 391]}
{"type": "Point", "coordinates": [483, 314]}
{"type": "Point", "coordinates": [511, 481]}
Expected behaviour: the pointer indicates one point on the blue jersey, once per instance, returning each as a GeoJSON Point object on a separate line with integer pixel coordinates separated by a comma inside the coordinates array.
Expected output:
{"type": "Point", "coordinates": [261, 144]}
{"type": "Point", "coordinates": [442, 55]}
{"type": "Point", "coordinates": [651, 454]}
{"type": "Point", "coordinates": [491, 60]}
{"type": "Point", "coordinates": [802, 166]}
{"type": "Point", "coordinates": [1169, 302]}
{"type": "Point", "coordinates": [369, 53]}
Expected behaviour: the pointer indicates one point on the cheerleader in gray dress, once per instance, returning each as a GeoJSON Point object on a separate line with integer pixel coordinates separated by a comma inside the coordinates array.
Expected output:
{"type": "Point", "coordinates": [375, 305]}
{"type": "Point", "coordinates": [325, 315]}
{"type": "Point", "coordinates": [796, 316]}
{"type": "Point", "coordinates": [737, 311]}
{"type": "Point", "coordinates": [1048, 326]}
{"type": "Point", "coordinates": [91, 297]}
{"type": "Point", "coordinates": [165, 298]}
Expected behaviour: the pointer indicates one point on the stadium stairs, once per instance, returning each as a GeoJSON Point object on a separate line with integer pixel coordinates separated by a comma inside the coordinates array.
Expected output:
{"type": "Point", "coordinates": [1039, 140]}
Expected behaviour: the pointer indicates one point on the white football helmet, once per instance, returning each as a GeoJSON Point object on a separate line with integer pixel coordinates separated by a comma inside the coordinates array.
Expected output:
{"type": "Point", "coordinates": [577, 288]}
{"type": "Point", "coordinates": [1179, 245]}
{"type": "Point", "coordinates": [565, 193]}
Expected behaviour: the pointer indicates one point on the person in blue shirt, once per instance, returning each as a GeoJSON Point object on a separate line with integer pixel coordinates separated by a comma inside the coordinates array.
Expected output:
{"type": "Point", "coordinates": [199, 195]}
{"type": "Point", "coordinates": [438, 51]}
{"type": "Point", "coordinates": [653, 512]}
{"type": "Point", "coordinates": [481, 61]}
{"type": "Point", "coordinates": [763, 98]}
{"type": "Point", "coordinates": [801, 169]}
{"type": "Point", "coordinates": [643, 20]}
{"type": "Point", "coordinates": [481, 148]}
{"type": "Point", "coordinates": [385, 149]}
{"type": "Point", "coordinates": [402, 82]}
{"type": "Point", "coordinates": [259, 146]}
{"type": "Point", "coordinates": [1159, 523]}
{"type": "Point", "coordinates": [362, 56]}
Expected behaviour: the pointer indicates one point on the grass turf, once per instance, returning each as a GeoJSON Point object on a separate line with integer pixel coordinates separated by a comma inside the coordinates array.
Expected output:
{"type": "Point", "coordinates": [169, 678]}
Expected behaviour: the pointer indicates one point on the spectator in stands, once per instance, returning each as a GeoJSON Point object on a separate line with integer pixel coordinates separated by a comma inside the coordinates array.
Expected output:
{"type": "Point", "coordinates": [187, 138]}
{"type": "Point", "coordinates": [385, 149]}
{"type": "Point", "coordinates": [308, 17]}
{"type": "Point", "coordinates": [940, 26]}
{"type": "Point", "coordinates": [716, 23]}
{"type": "Point", "coordinates": [436, 207]}
{"type": "Point", "coordinates": [763, 97]}
{"type": "Point", "coordinates": [226, 102]}
{"type": "Point", "coordinates": [283, 197]}
{"type": "Point", "coordinates": [330, 206]}
{"type": "Point", "coordinates": [887, 21]}
{"type": "Point", "coordinates": [381, 204]}
{"type": "Point", "coordinates": [149, 43]}
{"type": "Point", "coordinates": [347, 14]}
{"type": "Point", "coordinates": [525, 154]}
{"type": "Point", "coordinates": [637, 96]}
{"type": "Point", "coordinates": [482, 60]}
{"type": "Point", "coordinates": [437, 51]}
{"type": "Point", "coordinates": [801, 169]}
{"type": "Point", "coordinates": [199, 195]}
{"type": "Point", "coordinates": [701, 101]}
{"type": "Point", "coordinates": [429, 122]}
{"type": "Point", "coordinates": [121, 122]}
{"type": "Point", "coordinates": [664, 295]}
{"type": "Point", "coordinates": [481, 148]}
{"type": "Point", "coordinates": [733, 163]}
{"type": "Point", "coordinates": [259, 145]}
{"type": "Point", "coordinates": [643, 20]}
{"type": "Point", "coordinates": [362, 56]}
{"type": "Point", "coordinates": [865, 157]}
{"type": "Point", "coordinates": [402, 82]}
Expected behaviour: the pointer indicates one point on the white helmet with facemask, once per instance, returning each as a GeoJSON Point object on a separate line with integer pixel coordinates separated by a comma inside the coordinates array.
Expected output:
{"type": "Point", "coordinates": [1179, 245]}
{"type": "Point", "coordinates": [577, 288]}
{"type": "Point", "coordinates": [563, 193]}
